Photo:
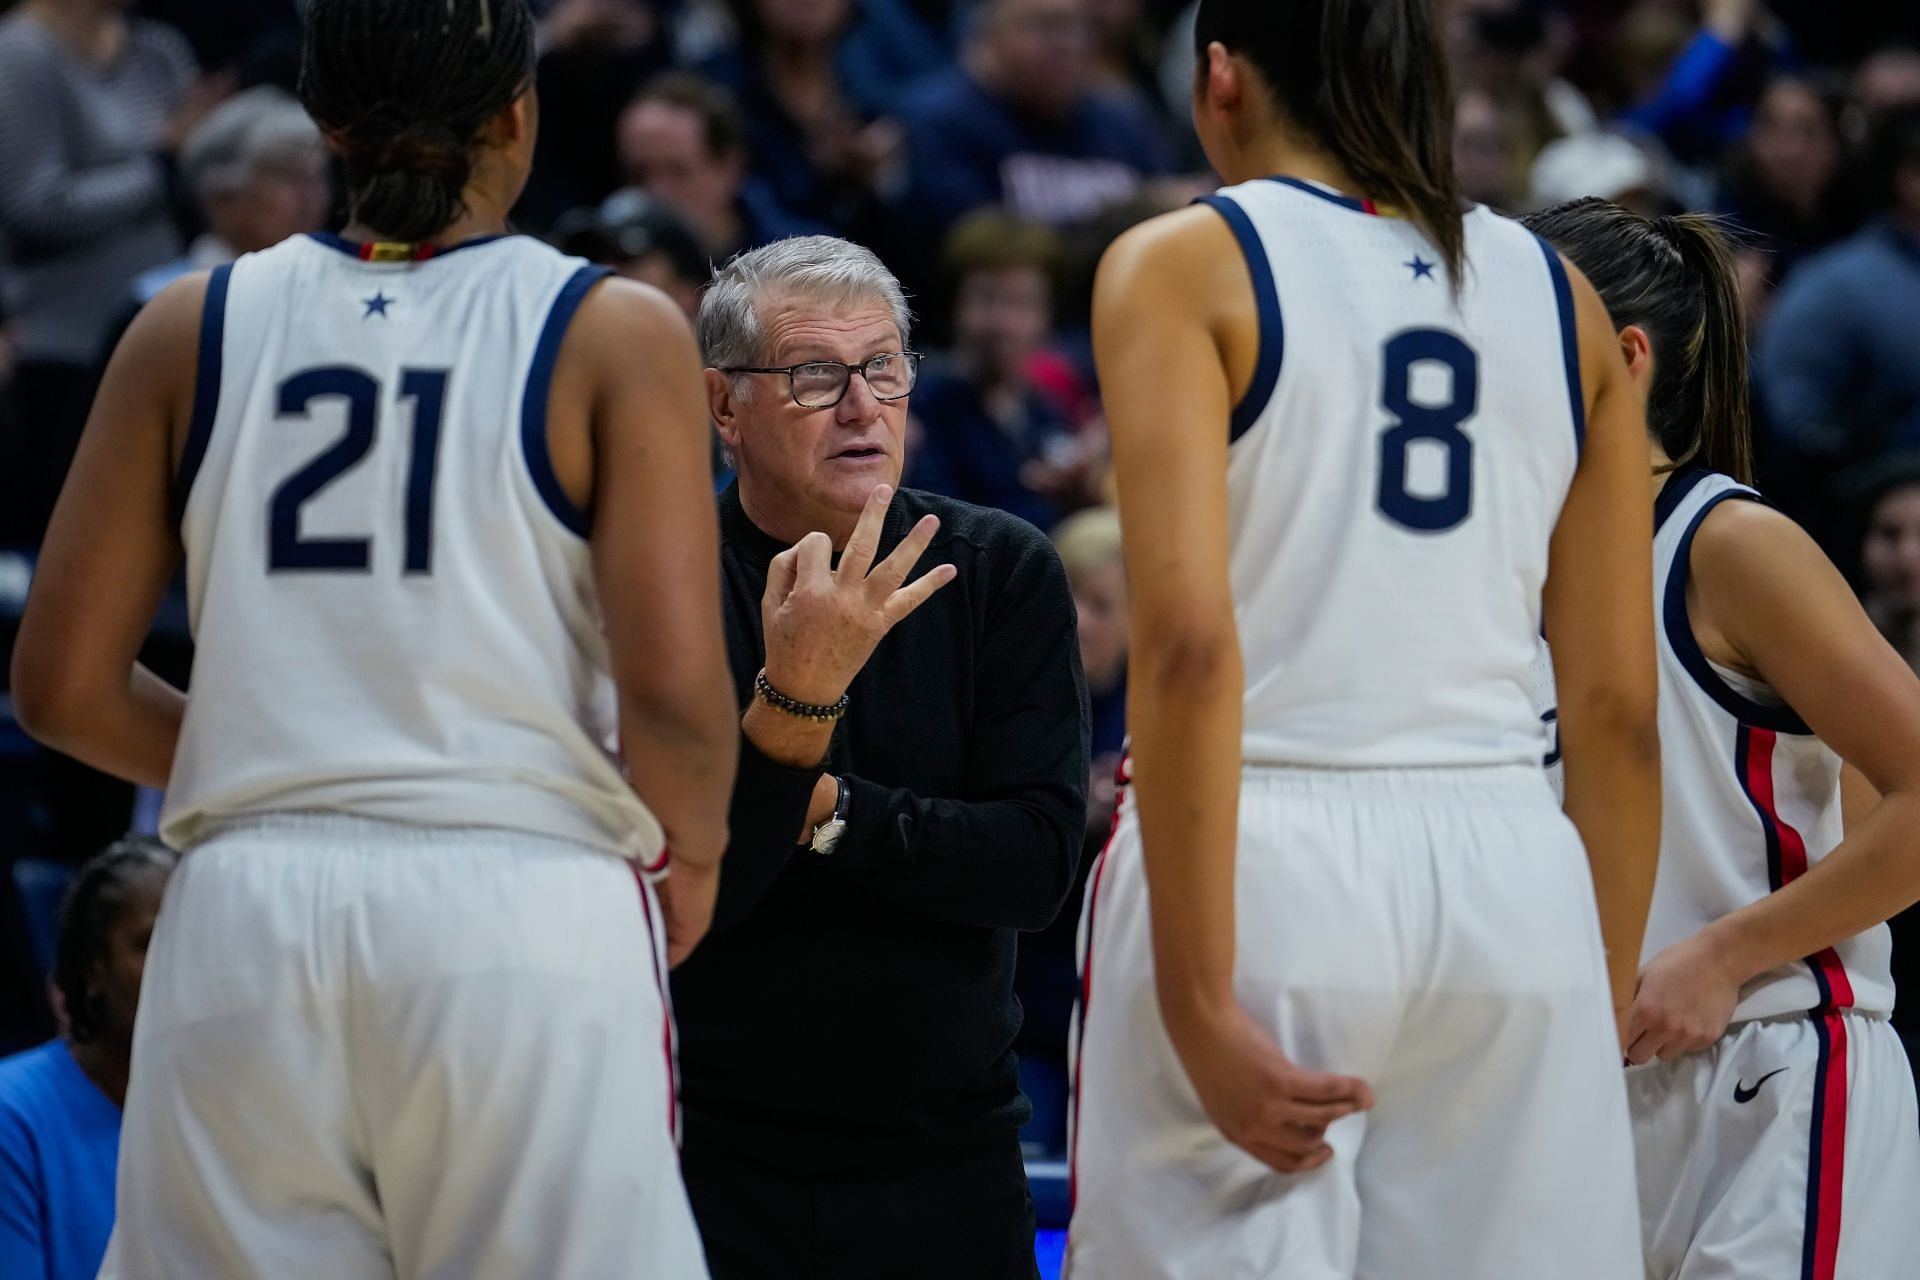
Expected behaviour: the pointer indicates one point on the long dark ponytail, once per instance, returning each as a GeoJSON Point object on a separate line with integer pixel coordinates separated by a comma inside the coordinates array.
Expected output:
{"type": "Point", "coordinates": [1367, 80]}
{"type": "Point", "coordinates": [1675, 277]}
{"type": "Point", "coordinates": [401, 89]}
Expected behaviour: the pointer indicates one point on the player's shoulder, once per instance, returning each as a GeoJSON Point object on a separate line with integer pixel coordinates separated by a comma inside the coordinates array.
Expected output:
{"type": "Point", "coordinates": [1742, 527]}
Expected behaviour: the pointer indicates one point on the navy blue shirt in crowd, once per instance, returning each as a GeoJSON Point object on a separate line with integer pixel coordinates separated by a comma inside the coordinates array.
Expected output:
{"type": "Point", "coordinates": [964, 453]}
{"type": "Point", "coordinates": [967, 148]}
{"type": "Point", "coordinates": [59, 1149]}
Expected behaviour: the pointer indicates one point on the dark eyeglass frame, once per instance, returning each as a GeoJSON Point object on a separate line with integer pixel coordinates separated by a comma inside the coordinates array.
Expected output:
{"type": "Point", "coordinates": [913, 376]}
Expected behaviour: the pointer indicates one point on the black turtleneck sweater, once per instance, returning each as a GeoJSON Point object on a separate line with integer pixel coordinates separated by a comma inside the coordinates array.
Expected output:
{"type": "Point", "coordinates": [855, 1011]}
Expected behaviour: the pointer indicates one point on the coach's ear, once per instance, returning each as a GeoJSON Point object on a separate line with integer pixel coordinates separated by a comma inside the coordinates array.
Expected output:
{"type": "Point", "coordinates": [721, 406]}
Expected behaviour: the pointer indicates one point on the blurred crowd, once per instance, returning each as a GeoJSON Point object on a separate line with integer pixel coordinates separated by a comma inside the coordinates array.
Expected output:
{"type": "Point", "coordinates": [988, 150]}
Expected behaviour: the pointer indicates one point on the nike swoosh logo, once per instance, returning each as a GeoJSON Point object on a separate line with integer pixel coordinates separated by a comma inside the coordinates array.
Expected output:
{"type": "Point", "coordinates": [1743, 1094]}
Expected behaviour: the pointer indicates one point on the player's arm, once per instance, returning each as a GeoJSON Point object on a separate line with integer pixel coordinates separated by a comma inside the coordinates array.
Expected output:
{"type": "Point", "coordinates": [109, 552]}
{"type": "Point", "coordinates": [1163, 302]}
{"type": "Point", "coordinates": [1599, 619]}
{"type": "Point", "coordinates": [656, 564]}
{"type": "Point", "coordinates": [1768, 594]}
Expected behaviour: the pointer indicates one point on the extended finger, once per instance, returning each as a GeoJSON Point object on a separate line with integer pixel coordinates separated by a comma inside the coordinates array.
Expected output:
{"type": "Point", "coordinates": [893, 571]}
{"type": "Point", "coordinates": [1645, 1047]}
{"type": "Point", "coordinates": [1317, 1114]}
{"type": "Point", "coordinates": [858, 557]}
{"type": "Point", "coordinates": [1318, 1086]}
{"type": "Point", "coordinates": [1282, 1160]}
{"type": "Point", "coordinates": [911, 597]}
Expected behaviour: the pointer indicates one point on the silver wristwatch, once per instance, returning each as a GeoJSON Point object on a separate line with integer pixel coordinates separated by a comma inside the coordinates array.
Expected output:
{"type": "Point", "coordinates": [827, 836]}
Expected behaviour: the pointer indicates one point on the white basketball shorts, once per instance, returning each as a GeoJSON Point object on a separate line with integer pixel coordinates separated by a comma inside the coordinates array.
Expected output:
{"type": "Point", "coordinates": [1430, 931]}
{"type": "Point", "coordinates": [1789, 1150]}
{"type": "Point", "coordinates": [367, 1050]}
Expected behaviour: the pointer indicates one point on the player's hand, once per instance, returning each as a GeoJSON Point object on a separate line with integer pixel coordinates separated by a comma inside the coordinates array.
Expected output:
{"type": "Point", "coordinates": [686, 899]}
{"type": "Point", "coordinates": [1259, 1100]}
{"type": "Point", "coordinates": [822, 623]}
{"type": "Point", "coordinates": [1686, 999]}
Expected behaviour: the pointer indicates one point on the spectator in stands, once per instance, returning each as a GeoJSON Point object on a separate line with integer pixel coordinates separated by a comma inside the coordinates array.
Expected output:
{"type": "Point", "coordinates": [1838, 362]}
{"type": "Point", "coordinates": [256, 168]}
{"type": "Point", "coordinates": [592, 54]}
{"type": "Point", "coordinates": [987, 434]}
{"type": "Point", "coordinates": [1890, 553]}
{"type": "Point", "coordinates": [682, 140]}
{"type": "Point", "coordinates": [60, 1104]}
{"type": "Point", "coordinates": [909, 795]}
{"type": "Point", "coordinates": [818, 81]}
{"type": "Point", "coordinates": [1596, 164]}
{"type": "Point", "coordinates": [1018, 124]}
{"type": "Point", "coordinates": [641, 239]}
{"type": "Point", "coordinates": [1488, 157]}
{"type": "Point", "coordinates": [1883, 83]}
{"type": "Point", "coordinates": [1788, 185]}
{"type": "Point", "coordinates": [93, 104]}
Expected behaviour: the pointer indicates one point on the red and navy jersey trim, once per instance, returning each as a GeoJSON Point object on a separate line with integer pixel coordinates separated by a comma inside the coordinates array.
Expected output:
{"type": "Point", "coordinates": [394, 250]}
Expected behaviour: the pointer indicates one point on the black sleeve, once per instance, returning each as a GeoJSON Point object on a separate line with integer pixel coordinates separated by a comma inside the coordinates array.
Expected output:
{"type": "Point", "coordinates": [1006, 855]}
{"type": "Point", "coordinates": [769, 805]}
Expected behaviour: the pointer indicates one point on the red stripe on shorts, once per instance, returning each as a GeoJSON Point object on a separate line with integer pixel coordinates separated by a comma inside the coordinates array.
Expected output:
{"type": "Point", "coordinates": [666, 1004]}
{"type": "Point", "coordinates": [1122, 775]}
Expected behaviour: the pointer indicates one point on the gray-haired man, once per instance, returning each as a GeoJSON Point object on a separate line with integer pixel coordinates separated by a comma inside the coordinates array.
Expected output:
{"type": "Point", "coordinates": [911, 791]}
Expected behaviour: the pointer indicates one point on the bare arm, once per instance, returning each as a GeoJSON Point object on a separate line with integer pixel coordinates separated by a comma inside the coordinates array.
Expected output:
{"type": "Point", "coordinates": [107, 557]}
{"type": "Point", "coordinates": [1599, 618]}
{"type": "Point", "coordinates": [656, 564]}
{"type": "Point", "coordinates": [1173, 306]}
{"type": "Point", "coordinates": [1761, 588]}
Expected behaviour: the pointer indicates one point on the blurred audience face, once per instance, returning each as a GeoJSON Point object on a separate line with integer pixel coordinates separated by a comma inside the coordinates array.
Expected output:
{"type": "Point", "coordinates": [802, 21]}
{"type": "Point", "coordinates": [815, 466]}
{"type": "Point", "coordinates": [1794, 143]}
{"type": "Point", "coordinates": [1482, 150]}
{"type": "Point", "coordinates": [663, 149]}
{"type": "Point", "coordinates": [282, 195]}
{"type": "Point", "coordinates": [123, 959]}
{"type": "Point", "coordinates": [1100, 596]}
{"type": "Point", "coordinates": [1001, 317]}
{"type": "Point", "coordinates": [1891, 555]}
{"type": "Point", "coordinates": [1886, 81]}
{"type": "Point", "coordinates": [1037, 54]}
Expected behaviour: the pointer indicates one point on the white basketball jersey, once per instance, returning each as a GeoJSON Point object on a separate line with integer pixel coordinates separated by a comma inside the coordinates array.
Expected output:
{"type": "Point", "coordinates": [1397, 469]}
{"type": "Point", "coordinates": [391, 596]}
{"type": "Point", "coordinates": [1751, 798]}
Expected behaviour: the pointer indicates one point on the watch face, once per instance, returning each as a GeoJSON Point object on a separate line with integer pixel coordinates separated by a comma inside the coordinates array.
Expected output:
{"type": "Point", "coordinates": [826, 836]}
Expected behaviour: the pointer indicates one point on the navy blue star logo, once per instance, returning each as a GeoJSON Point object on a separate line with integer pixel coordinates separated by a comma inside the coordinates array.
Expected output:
{"type": "Point", "coordinates": [1421, 268]}
{"type": "Point", "coordinates": [376, 305]}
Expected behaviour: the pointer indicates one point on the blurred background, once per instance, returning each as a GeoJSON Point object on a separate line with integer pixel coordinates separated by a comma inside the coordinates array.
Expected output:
{"type": "Point", "coordinates": [988, 150]}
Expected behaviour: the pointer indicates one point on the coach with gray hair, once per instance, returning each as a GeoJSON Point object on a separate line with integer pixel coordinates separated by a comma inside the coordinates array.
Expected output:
{"type": "Point", "coordinates": [913, 766]}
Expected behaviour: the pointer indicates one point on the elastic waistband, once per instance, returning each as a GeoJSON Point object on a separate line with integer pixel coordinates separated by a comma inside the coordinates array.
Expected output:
{"type": "Point", "coordinates": [1501, 778]}
{"type": "Point", "coordinates": [350, 829]}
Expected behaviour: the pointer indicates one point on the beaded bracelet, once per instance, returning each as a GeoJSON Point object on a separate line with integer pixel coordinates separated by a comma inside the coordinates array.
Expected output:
{"type": "Point", "coordinates": [805, 710]}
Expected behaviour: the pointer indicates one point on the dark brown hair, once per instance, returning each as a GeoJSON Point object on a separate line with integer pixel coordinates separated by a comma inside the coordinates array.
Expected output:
{"type": "Point", "coordinates": [1675, 278]}
{"type": "Point", "coordinates": [723, 131]}
{"type": "Point", "coordinates": [401, 88]}
{"type": "Point", "coordinates": [1366, 80]}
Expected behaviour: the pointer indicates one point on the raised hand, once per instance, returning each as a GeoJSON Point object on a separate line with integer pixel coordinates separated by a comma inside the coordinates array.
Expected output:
{"type": "Point", "coordinates": [822, 623]}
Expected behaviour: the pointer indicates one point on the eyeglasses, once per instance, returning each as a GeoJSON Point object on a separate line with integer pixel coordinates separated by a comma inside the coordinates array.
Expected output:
{"type": "Point", "coordinates": [822, 384]}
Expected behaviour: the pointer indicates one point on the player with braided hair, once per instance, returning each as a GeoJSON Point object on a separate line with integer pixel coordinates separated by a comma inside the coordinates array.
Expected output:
{"type": "Point", "coordinates": [441, 493]}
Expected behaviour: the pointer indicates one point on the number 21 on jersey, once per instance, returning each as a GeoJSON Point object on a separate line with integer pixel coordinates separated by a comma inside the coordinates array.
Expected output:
{"type": "Point", "coordinates": [1425, 419]}
{"type": "Point", "coordinates": [287, 549]}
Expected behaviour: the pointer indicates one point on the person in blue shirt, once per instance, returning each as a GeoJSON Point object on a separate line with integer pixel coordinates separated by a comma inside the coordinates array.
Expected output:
{"type": "Point", "coordinates": [1019, 123]}
{"type": "Point", "coordinates": [60, 1103]}
{"type": "Point", "coordinates": [1837, 365]}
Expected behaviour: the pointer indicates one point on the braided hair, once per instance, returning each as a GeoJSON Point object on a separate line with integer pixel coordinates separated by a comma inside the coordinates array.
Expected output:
{"type": "Point", "coordinates": [1674, 277]}
{"type": "Point", "coordinates": [401, 88]}
{"type": "Point", "coordinates": [87, 915]}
